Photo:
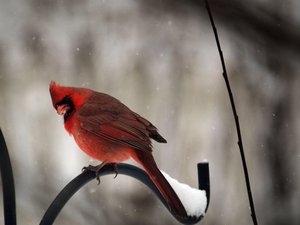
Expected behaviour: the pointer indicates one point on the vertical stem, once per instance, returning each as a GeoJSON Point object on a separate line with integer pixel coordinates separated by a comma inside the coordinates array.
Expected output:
{"type": "Point", "coordinates": [236, 118]}
{"type": "Point", "coordinates": [8, 187]}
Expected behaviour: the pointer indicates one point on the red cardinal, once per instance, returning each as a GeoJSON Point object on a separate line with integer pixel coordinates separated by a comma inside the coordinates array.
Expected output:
{"type": "Point", "coordinates": [108, 131]}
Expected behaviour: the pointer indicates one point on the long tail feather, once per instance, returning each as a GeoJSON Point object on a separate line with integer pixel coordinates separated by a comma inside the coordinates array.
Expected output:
{"type": "Point", "coordinates": [147, 161]}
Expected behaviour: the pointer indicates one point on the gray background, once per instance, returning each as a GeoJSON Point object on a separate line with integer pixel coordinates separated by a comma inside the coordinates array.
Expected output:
{"type": "Point", "coordinates": [160, 59]}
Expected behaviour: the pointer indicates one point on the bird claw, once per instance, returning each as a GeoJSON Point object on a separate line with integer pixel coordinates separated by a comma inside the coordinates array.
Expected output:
{"type": "Point", "coordinates": [97, 169]}
{"type": "Point", "coordinates": [115, 169]}
{"type": "Point", "coordinates": [85, 168]}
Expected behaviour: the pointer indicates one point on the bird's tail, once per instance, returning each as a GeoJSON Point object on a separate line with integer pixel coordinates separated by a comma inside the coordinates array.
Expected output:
{"type": "Point", "coordinates": [147, 161]}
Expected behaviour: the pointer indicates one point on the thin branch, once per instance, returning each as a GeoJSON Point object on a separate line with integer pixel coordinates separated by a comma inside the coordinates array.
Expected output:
{"type": "Point", "coordinates": [236, 118]}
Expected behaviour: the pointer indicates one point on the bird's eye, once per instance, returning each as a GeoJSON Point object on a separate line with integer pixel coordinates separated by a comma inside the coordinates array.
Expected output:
{"type": "Point", "coordinates": [67, 99]}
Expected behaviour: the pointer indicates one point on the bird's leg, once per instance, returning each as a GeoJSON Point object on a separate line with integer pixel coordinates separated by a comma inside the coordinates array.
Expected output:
{"type": "Point", "coordinates": [95, 169]}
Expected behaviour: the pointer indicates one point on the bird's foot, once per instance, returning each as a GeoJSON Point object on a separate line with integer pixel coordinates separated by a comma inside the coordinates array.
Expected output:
{"type": "Point", "coordinates": [95, 169]}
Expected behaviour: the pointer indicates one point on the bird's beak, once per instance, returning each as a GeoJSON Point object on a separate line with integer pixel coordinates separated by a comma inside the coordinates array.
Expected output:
{"type": "Point", "coordinates": [62, 109]}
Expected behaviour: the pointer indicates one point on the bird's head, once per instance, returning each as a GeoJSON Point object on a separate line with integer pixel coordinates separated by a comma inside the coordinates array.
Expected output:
{"type": "Point", "coordinates": [66, 100]}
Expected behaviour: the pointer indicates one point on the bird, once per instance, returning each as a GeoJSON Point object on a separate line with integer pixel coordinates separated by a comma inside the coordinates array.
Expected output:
{"type": "Point", "coordinates": [108, 131]}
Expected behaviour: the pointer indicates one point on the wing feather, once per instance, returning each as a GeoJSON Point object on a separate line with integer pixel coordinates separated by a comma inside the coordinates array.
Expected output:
{"type": "Point", "coordinates": [106, 117]}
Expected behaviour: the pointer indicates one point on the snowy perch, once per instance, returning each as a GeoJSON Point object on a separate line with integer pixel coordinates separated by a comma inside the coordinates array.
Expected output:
{"type": "Point", "coordinates": [193, 200]}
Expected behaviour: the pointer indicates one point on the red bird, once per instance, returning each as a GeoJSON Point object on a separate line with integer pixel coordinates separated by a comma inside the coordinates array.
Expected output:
{"type": "Point", "coordinates": [109, 131]}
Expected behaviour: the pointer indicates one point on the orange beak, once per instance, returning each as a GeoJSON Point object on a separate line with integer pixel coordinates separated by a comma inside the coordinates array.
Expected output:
{"type": "Point", "coordinates": [62, 109]}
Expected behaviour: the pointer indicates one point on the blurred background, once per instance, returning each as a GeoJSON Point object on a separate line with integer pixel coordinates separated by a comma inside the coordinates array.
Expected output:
{"type": "Point", "coordinates": [159, 58]}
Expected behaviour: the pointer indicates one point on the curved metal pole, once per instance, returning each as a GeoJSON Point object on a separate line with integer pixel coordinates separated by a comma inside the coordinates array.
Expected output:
{"type": "Point", "coordinates": [8, 187]}
{"type": "Point", "coordinates": [125, 169]}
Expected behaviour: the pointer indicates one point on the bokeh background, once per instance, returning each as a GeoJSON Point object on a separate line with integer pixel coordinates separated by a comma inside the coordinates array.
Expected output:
{"type": "Point", "coordinates": [158, 57]}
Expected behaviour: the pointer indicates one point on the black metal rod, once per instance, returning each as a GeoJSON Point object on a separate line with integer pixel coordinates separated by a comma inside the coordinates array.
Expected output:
{"type": "Point", "coordinates": [203, 180]}
{"type": "Point", "coordinates": [8, 187]}
{"type": "Point", "coordinates": [236, 118]}
{"type": "Point", "coordinates": [125, 169]}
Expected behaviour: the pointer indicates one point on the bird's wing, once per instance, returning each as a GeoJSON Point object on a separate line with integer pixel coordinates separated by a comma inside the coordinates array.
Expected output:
{"type": "Point", "coordinates": [106, 117]}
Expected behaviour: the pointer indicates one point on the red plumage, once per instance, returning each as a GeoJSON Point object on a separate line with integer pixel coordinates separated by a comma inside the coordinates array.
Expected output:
{"type": "Point", "coordinates": [109, 131]}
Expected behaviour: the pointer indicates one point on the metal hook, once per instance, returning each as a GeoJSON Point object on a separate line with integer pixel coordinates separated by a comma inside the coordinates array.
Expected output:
{"type": "Point", "coordinates": [129, 170]}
